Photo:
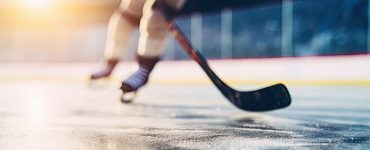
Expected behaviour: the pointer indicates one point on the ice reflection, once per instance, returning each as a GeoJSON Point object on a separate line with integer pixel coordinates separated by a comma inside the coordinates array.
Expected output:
{"type": "Point", "coordinates": [36, 110]}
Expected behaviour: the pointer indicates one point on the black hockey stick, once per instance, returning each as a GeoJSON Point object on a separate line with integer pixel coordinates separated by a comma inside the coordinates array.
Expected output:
{"type": "Point", "coordinates": [265, 99]}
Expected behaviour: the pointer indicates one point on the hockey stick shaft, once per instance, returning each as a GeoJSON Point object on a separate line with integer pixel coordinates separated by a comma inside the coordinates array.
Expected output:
{"type": "Point", "coordinates": [269, 98]}
{"type": "Point", "coordinates": [198, 57]}
{"type": "Point", "coordinates": [265, 99]}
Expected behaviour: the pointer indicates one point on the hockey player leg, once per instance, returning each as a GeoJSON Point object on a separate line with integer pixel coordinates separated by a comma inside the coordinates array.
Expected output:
{"type": "Point", "coordinates": [121, 25]}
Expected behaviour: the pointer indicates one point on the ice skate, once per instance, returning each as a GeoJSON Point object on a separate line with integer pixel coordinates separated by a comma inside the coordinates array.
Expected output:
{"type": "Point", "coordinates": [138, 79]}
{"type": "Point", "coordinates": [104, 73]}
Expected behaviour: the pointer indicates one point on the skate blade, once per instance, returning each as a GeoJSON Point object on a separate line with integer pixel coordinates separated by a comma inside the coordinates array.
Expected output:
{"type": "Point", "coordinates": [128, 97]}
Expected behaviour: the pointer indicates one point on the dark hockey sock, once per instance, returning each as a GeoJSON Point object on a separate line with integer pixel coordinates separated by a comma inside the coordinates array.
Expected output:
{"type": "Point", "coordinates": [140, 77]}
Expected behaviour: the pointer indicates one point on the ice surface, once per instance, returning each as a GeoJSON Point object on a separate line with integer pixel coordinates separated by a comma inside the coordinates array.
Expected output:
{"type": "Point", "coordinates": [67, 115]}
{"type": "Point", "coordinates": [49, 106]}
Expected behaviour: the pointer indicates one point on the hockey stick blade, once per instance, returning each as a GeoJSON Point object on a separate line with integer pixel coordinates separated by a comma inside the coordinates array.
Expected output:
{"type": "Point", "coordinates": [265, 99]}
{"type": "Point", "coordinates": [269, 98]}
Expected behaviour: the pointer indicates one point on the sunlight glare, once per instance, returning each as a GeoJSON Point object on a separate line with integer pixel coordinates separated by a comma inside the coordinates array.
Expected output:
{"type": "Point", "coordinates": [37, 3]}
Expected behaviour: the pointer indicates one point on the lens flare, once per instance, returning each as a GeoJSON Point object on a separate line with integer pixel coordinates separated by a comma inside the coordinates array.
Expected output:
{"type": "Point", "coordinates": [37, 3]}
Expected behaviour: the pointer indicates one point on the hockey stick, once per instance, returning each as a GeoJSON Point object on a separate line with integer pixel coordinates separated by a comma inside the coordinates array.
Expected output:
{"type": "Point", "coordinates": [269, 98]}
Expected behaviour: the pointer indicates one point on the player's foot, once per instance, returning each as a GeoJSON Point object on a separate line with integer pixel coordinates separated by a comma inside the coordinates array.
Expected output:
{"type": "Point", "coordinates": [107, 70]}
{"type": "Point", "coordinates": [139, 78]}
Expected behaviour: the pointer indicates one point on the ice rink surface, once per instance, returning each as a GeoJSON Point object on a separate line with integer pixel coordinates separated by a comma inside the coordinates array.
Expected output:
{"type": "Point", "coordinates": [55, 113]}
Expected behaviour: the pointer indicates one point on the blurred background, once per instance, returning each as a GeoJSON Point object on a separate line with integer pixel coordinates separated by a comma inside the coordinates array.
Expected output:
{"type": "Point", "coordinates": [75, 30]}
